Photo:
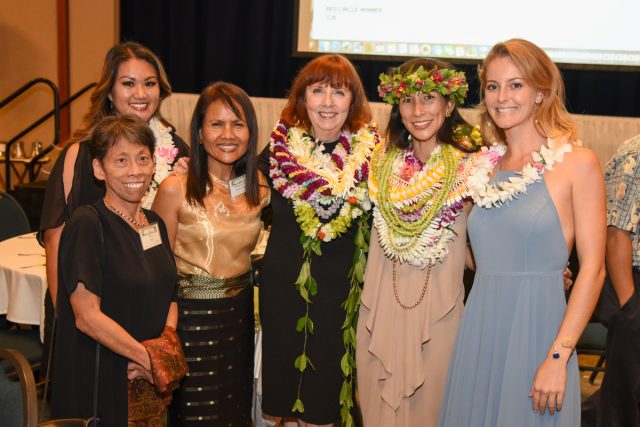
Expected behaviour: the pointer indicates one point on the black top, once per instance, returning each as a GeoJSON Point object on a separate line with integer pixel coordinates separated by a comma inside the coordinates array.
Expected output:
{"type": "Point", "coordinates": [85, 188]}
{"type": "Point", "coordinates": [135, 287]}
{"type": "Point", "coordinates": [281, 306]}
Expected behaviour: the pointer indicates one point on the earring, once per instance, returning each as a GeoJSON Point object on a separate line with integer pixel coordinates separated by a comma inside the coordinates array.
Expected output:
{"type": "Point", "coordinates": [112, 108]}
{"type": "Point", "coordinates": [448, 114]}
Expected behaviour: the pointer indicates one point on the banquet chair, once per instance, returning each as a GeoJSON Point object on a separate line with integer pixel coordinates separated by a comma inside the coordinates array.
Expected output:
{"type": "Point", "coordinates": [18, 399]}
{"type": "Point", "coordinates": [24, 339]}
{"type": "Point", "coordinates": [13, 220]}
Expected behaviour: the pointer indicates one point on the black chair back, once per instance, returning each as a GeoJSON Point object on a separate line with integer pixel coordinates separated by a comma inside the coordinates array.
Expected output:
{"type": "Point", "coordinates": [13, 220]}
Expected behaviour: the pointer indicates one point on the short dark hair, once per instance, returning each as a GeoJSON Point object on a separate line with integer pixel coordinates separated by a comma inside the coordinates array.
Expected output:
{"type": "Point", "coordinates": [198, 177]}
{"type": "Point", "coordinates": [112, 129]}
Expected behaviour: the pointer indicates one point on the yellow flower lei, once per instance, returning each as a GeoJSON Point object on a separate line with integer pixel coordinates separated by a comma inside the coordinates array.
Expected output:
{"type": "Point", "coordinates": [433, 195]}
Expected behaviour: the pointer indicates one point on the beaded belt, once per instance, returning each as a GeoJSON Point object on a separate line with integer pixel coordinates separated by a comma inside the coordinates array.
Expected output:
{"type": "Point", "coordinates": [193, 286]}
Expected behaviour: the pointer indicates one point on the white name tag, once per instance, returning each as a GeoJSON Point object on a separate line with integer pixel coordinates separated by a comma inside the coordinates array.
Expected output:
{"type": "Point", "coordinates": [150, 236]}
{"type": "Point", "coordinates": [238, 186]}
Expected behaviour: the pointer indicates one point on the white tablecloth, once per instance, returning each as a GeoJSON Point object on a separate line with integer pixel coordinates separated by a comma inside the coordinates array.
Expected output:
{"type": "Point", "coordinates": [23, 280]}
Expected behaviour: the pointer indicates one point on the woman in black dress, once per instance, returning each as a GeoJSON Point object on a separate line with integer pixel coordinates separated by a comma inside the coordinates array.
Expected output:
{"type": "Point", "coordinates": [317, 163]}
{"type": "Point", "coordinates": [133, 81]}
{"type": "Point", "coordinates": [117, 281]}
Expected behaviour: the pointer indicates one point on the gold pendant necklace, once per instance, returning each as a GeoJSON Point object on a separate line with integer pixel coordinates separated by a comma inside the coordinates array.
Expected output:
{"type": "Point", "coordinates": [127, 217]}
{"type": "Point", "coordinates": [424, 289]}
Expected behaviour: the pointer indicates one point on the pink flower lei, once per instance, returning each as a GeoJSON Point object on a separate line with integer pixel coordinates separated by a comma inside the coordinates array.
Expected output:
{"type": "Point", "coordinates": [293, 180]}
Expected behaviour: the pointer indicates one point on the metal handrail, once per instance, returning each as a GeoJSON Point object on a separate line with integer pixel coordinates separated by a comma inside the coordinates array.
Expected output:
{"type": "Point", "coordinates": [56, 113]}
{"type": "Point", "coordinates": [32, 163]}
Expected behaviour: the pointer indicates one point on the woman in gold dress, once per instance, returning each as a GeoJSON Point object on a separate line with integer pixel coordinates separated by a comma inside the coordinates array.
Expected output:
{"type": "Point", "coordinates": [213, 221]}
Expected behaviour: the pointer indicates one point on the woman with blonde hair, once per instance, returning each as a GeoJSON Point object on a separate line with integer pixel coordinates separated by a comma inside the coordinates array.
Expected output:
{"type": "Point", "coordinates": [536, 192]}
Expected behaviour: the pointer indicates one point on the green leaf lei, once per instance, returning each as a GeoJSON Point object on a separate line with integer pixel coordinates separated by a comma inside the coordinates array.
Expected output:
{"type": "Point", "coordinates": [387, 209]}
{"type": "Point", "coordinates": [308, 287]}
{"type": "Point", "coordinates": [294, 181]}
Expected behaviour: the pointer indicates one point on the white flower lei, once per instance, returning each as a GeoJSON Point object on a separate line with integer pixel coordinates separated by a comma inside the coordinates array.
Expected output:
{"type": "Point", "coordinates": [489, 195]}
{"type": "Point", "coordinates": [312, 156]}
{"type": "Point", "coordinates": [164, 155]}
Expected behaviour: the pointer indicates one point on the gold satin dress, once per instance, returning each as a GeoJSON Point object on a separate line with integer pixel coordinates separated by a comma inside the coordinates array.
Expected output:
{"type": "Point", "coordinates": [212, 249]}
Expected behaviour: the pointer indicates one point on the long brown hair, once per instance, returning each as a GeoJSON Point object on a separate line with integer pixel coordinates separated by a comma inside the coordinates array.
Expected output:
{"type": "Point", "coordinates": [101, 106]}
{"type": "Point", "coordinates": [551, 117]}
{"type": "Point", "coordinates": [198, 179]}
{"type": "Point", "coordinates": [336, 71]}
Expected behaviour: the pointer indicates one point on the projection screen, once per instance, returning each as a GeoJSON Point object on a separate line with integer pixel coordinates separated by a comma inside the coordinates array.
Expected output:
{"type": "Point", "coordinates": [585, 32]}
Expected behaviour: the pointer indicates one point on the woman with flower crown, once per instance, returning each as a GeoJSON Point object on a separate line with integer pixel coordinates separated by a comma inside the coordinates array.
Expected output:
{"type": "Point", "coordinates": [318, 165]}
{"type": "Point", "coordinates": [536, 193]}
{"type": "Point", "coordinates": [133, 81]}
{"type": "Point", "coordinates": [413, 293]}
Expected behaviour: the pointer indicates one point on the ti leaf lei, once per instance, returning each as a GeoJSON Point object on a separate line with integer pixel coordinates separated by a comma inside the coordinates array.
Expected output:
{"type": "Point", "coordinates": [329, 193]}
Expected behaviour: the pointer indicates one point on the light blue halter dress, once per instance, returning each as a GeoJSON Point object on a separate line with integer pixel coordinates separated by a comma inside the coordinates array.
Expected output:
{"type": "Point", "coordinates": [512, 316]}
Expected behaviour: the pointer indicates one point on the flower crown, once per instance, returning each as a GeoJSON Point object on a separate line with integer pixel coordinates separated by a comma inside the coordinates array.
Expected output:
{"type": "Point", "coordinates": [448, 83]}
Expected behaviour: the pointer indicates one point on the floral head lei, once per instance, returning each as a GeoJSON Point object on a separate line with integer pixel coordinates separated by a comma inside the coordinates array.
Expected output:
{"type": "Point", "coordinates": [448, 83]}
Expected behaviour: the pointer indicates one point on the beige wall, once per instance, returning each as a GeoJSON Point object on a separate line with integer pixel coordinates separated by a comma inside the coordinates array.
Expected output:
{"type": "Point", "coordinates": [29, 49]}
{"type": "Point", "coordinates": [93, 29]}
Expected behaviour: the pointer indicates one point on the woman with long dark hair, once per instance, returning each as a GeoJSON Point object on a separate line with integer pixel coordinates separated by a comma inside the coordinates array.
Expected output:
{"type": "Point", "coordinates": [213, 221]}
{"type": "Point", "coordinates": [413, 288]}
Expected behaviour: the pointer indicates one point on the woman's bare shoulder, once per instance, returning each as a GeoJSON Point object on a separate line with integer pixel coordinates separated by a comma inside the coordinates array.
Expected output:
{"type": "Point", "coordinates": [583, 160]}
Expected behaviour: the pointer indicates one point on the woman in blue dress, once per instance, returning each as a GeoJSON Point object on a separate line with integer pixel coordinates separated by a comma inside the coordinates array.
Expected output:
{"type": "Point", "coordinates": [536, 192]}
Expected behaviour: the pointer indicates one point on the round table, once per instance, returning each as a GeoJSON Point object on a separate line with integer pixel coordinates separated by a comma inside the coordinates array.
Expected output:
{"type": "Point", "coordinates": [23, 280]}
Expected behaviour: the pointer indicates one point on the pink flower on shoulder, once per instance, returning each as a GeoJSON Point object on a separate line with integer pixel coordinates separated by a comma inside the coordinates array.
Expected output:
{"type": "Point", "coordinates": [167, 153]}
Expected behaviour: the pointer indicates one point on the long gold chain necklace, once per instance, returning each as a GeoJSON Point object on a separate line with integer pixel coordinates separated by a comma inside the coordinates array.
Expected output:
{"type": "Point", "coordinates": [142, 224]}
{"type": "Point", "coordinates": [422, 294]}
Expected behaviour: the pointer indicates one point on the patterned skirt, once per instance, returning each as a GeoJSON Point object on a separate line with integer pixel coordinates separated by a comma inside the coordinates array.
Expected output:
{"type": "Point", "coordinates": [216, 327]}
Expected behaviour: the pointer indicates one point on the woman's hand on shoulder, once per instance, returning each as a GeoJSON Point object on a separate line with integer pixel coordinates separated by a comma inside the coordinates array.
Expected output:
{"type": "Point", "coordinates": [181, 167]}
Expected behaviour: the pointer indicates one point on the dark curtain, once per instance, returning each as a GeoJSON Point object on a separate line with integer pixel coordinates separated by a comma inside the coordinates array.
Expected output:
{"type": "Point", "coordinates": [250, 43]}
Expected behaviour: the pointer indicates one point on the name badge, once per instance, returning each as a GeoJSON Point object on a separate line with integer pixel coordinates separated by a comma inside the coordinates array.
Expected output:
{"type": "Point", "coordinates": [238, 186]}
{"type": "Point", "coordinates": [150, 236]}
